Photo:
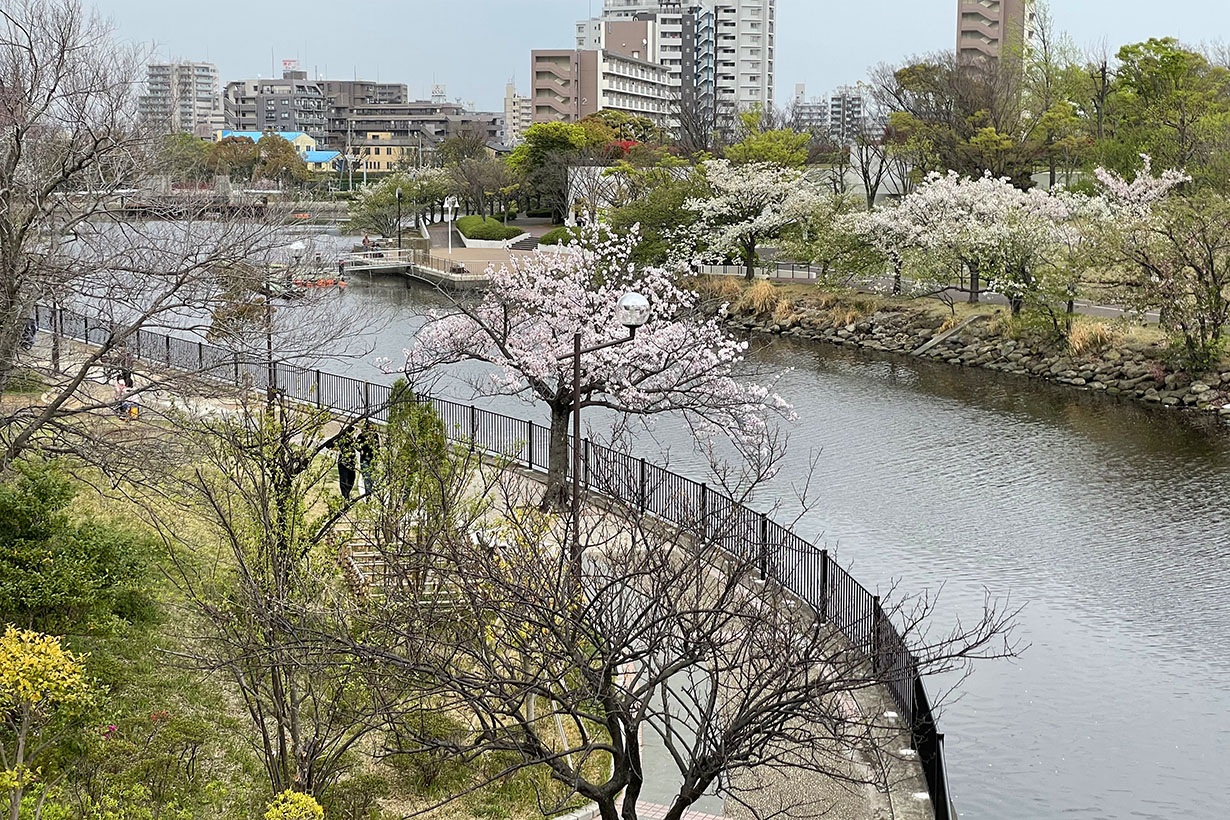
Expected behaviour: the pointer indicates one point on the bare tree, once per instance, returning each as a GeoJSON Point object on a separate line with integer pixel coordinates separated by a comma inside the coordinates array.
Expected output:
{"type": "Point", "coordinates": [253, 531]}
{"type": "Point", "coordinates": [71, 152]}
{"type": "Point", "coordinates": [869, 155]}
{"type": "Point", "coordinates": [479, 180]}
{"type": "Point", "coordinates": [702, 124]}
{"type": "Point", "coordinates": [570, 669]}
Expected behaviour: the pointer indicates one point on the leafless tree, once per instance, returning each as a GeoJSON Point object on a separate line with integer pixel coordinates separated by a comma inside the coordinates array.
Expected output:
{"type": "Point", "coordinates": [254, 531]}
{"type": "Point", "coordinates": [657, 634]}
{"type": "Point", "coordinates": [869, 156]}
{"type": "Point", "coordinates": [702, 125]}
{"type": "Point", "coordinates": [72, 152]}
{"type": "Point", "coordinates": [479, 181]}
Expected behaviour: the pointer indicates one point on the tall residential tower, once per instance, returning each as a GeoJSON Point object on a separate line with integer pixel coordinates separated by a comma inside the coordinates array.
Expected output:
{"type": "Point", "coordinates": [182, 97]}
{"type": "Point", "coordinates": [989, 29]}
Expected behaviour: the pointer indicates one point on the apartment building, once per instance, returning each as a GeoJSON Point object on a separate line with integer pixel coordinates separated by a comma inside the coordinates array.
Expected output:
{"type": "Point", "coordinates": [518, 115]}
{"type": "Point", "coordinates": [570, 84]}
{"type": "Point", "coordinates": [292, 103]}
{"type": "Point", "coordinates": [809, 114]}
{"type": "Point", "coordinates": [987, 29]}
{"type": "Point", "coordinates": [182, 96]}
{"type": "Point", "coordinates": [385, 136]}
{"type": "Point", "coordinates": [347, 93]}
{"type": "Point", "coordinates": [847, 117]}
{"type": "Point", "coordinates": [721, 51]}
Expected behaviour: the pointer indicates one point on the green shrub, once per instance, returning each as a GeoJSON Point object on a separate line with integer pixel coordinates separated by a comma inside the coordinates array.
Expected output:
{"type": "Point", "coordinates": [476, 227]}
{"type": "Point", "coordinates": [558, 236]}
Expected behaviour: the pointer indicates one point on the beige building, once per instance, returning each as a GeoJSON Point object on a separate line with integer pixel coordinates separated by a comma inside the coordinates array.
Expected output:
{"type": "Point", "coordinates": [518, 115]}
{"type": "Point", "coordinates": [183, 97]}
{"type": "Point", "coordinates": [622, 75]}
{"type": "Point", "coordinates": [986, 29]}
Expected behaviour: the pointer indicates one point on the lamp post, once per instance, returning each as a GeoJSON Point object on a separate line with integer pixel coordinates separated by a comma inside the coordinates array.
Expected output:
{"type": "Point", "coordinates": [632, 311]}
{"type": "Point", "coordinates": [399, 222]}
{"type": "Point", "coordinates": [450, 209]}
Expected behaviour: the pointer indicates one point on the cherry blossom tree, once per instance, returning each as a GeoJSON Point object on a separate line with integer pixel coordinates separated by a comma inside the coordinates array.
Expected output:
{"type": "Point", "coordinates": [1138, 196]}
{"type": "Point", "coordinates": [1001, 234]}
{"type": "Point", "coordinates": [749, 204]}
{"type": "Point", "coordinates": [679, 362]}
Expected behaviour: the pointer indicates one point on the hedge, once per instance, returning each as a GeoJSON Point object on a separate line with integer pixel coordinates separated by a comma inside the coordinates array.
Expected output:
{"type": "Point", "coordinates": [491, 230]}
{"type": "Point", "coordinates": [557, 236]}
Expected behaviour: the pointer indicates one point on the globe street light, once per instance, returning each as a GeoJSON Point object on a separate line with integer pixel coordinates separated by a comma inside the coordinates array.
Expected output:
{"type": "Point", "coordinates": [632, 311]}
{"type": "Point", "coordinates": [399, 222]}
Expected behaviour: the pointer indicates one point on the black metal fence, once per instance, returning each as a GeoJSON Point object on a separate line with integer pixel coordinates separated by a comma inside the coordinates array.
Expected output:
{"type": "Point", "coordinates": [796, 564]}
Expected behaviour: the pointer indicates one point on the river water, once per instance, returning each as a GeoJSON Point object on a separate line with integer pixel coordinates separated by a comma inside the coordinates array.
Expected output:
{"type": "Point", "coordinates": [1109, 522]}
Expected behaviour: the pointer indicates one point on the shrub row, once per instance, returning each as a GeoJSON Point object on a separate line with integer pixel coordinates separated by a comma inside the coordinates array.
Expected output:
{"type": "Point", "coordinates": [490, 230]}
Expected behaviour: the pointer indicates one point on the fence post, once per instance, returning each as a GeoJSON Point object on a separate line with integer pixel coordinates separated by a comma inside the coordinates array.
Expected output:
{"type": "Point", "coordinates": [236, 358]}
{"type": "Point", "coordinates": [529, 458]}
{"type": "Point", "coordinates": [273, 376]}
{"type": "Point", "coordinates": [473, 426]}
{"type": "Point", "coordinates": [875, 634]}
{"type": "Point", "coordinates": [585, 456]}
{"type": "Point", "coordinates": [85, 328]}
{"type": "Point", "coordinates": [319, 398]}
{"type": "Point", "coordinates": [939, 783]}
{"type": "Point", "coordinates": [367, 397]}
{"type": "Point", "coordinates": [704, 512]}
{"type": "Point", "coordinates": [824, 585]}
{"type": "Point", "coordinates": [200, 356]}
{"type": "Point", "coordinates": [641, 494]}
{"type": "Point", "coordinates": [763, 558]}
{"type": "Point", "coordinates": [167, 339]}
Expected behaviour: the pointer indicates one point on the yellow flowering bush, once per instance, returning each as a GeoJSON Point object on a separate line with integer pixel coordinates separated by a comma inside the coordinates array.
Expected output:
{"type": "Point", "coordinates": [291, 805]}
{"type": "Point", "coordinates": [36, 671]}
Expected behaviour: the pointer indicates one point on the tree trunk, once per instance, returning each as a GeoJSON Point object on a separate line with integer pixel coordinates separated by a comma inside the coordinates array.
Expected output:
{"type": "Point", "coordinates": [974, 285]}
{"type": "Point", "coordinates": [558, 459]}
{"type": "Point", "coordinates": [749, 260]}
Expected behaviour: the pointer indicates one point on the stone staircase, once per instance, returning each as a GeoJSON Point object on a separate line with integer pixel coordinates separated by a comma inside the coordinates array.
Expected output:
{"type": "Point", "coordinates": [527, 244]}
{"type": "Point", "coordinates": [367, 574]}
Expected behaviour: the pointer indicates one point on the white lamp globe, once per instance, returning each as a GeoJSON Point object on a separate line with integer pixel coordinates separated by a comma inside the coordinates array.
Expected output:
{"type": "Point", "coordinates": [632, 311]}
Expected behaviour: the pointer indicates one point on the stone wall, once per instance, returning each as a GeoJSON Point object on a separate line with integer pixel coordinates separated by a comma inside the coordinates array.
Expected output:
{"type": "Point", "coordinates": [1134, 370]}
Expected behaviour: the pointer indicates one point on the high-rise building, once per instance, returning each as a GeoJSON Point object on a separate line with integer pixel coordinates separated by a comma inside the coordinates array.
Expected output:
{"type": "Point", "coordinates": [847, 114]}
{"type": "Point", "coordinates": [518, 115]}
{"type": "Point", "coordinates": [571, 84]}
{"type": "Point", "coordinates": [719, 54]}
{"type": "Point", "coordinates": [292, 103]}
{"type": "Point", "coordinates": [182, 97]}
{"type": "Point", "coordinates": [809, 114]}
{"type": "Point", "coordinates": [987, 29]}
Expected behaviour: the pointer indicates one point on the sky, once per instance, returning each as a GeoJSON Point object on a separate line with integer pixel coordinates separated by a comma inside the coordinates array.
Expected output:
{"type": "Point", "coordinates": [474, 47]}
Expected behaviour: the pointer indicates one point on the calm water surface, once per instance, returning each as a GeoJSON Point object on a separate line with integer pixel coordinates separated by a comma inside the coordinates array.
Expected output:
{"type": "Point", "coordinates": [1110, 522]}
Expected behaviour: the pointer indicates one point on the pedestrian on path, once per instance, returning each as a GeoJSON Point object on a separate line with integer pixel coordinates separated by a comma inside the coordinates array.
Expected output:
{"type": "Point", "coordinates": [369, 444]}
{"type": "Point", "coordinates": [344, 443]}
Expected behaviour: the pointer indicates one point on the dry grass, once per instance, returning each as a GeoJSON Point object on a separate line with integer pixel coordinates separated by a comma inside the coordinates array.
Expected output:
{"type": "Point", "coordinates": [726, 288]}
{"type": "Point", "coordinates": [1085, 338]}
{"type": "Point", "coordinates": [760, 298]}
{"type": "Point", "coordinates": [949, 323]}
{"type": "Point", "coordinates": [785, 313]}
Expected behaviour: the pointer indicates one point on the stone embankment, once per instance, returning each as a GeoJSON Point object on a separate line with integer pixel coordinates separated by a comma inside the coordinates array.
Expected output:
{"type": "Point", "coordinates": [1132, 369]}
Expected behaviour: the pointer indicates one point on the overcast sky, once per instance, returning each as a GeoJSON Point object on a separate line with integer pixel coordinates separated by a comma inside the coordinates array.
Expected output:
{"type": "Point", "coordinates": [475, 46]}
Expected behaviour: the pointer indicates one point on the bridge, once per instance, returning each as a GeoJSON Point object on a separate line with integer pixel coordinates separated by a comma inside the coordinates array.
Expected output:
{"type": "Point", "coordinates": [421, 265]}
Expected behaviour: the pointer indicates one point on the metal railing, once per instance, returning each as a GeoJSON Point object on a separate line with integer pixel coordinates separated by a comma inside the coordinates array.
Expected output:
{"type": "Point", "coordinates": [713, 517]}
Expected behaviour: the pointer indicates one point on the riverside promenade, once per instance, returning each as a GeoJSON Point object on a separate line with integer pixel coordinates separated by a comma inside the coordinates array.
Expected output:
{"type": "Point", "coordinates": [907, 753]}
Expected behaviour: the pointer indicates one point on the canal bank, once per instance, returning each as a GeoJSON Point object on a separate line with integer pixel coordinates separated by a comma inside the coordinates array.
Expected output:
{"type": "Point", "coordinates": [1102, 358]}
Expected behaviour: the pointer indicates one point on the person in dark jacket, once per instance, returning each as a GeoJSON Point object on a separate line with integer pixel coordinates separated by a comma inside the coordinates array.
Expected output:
{"type": "Point", "coordinates": [368, 442]}
{"type": "Point", "coordinates": [344, 443]}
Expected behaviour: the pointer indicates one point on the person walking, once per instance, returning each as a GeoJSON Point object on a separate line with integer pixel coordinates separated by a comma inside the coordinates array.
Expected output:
{"type": "Point", "coordinates": [126, 362]}
{"type": "Point", "coordinates": [344, 443]}
{"type": "Point", "coordinates": [369, 443]}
